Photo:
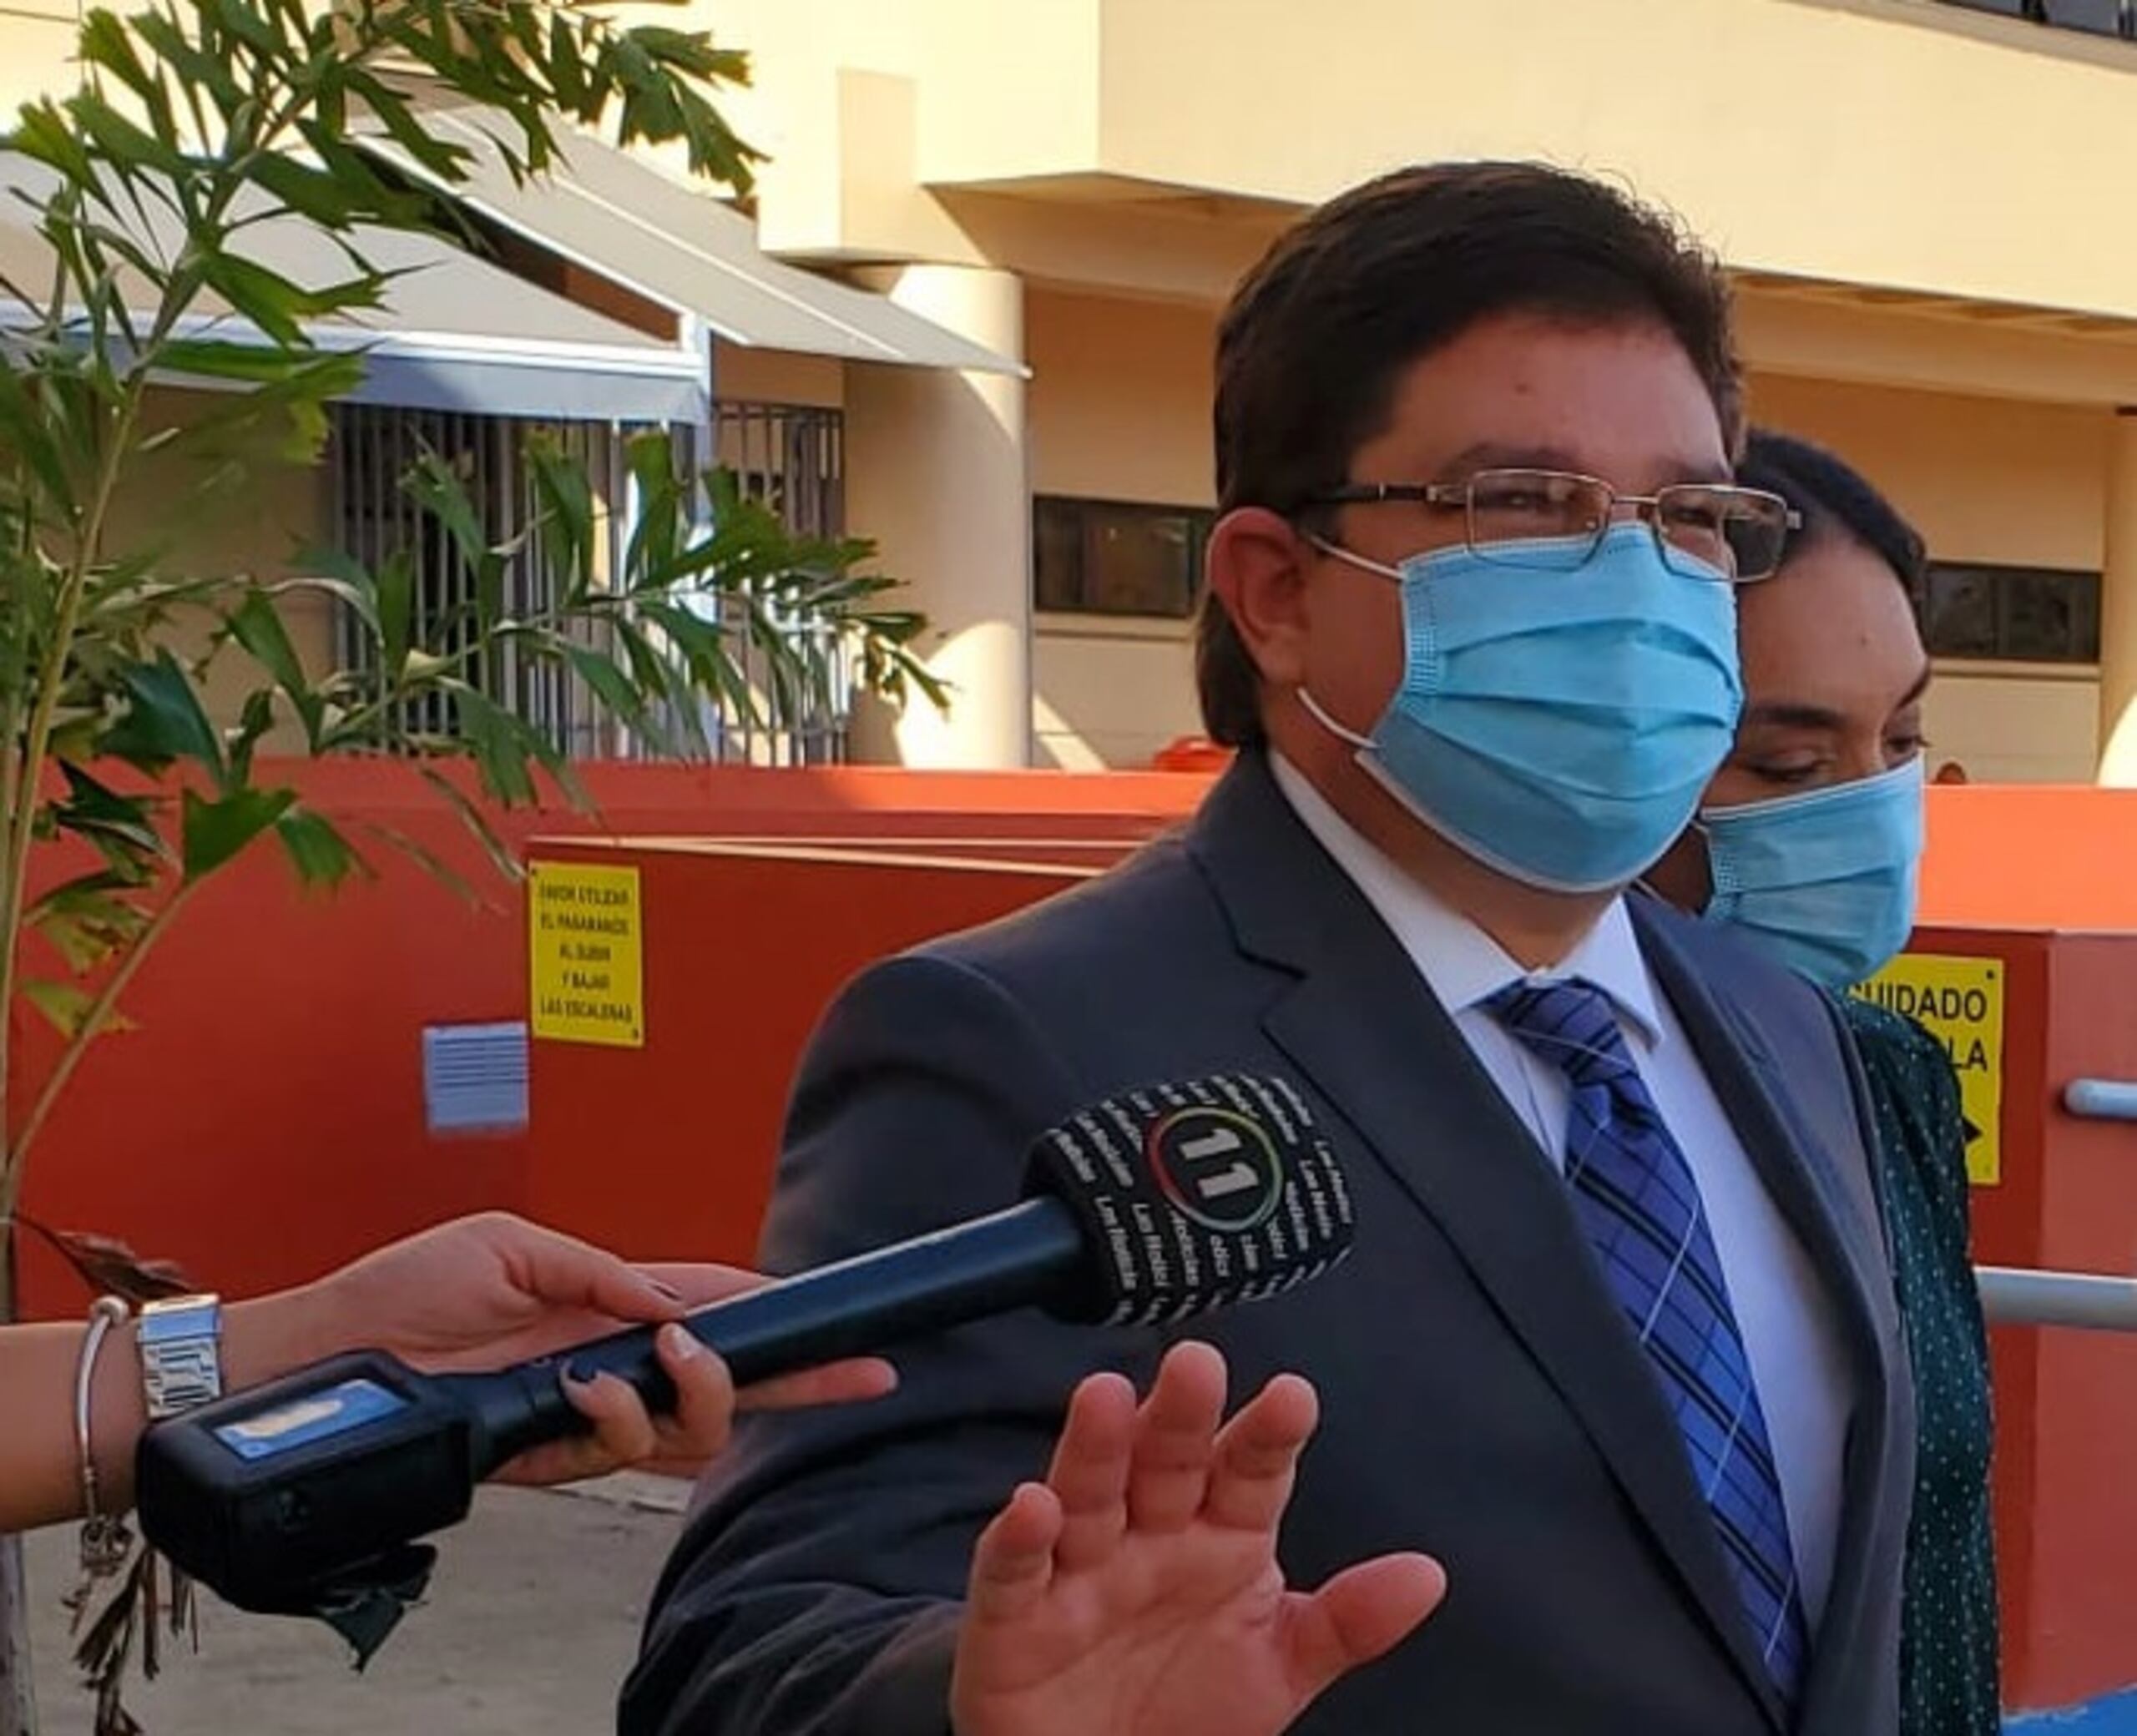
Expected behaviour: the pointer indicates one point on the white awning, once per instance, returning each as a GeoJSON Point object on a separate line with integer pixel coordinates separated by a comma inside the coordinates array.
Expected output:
{"type": "Point", "coordinates": [454, 331]}
{"type": "Point", "coordinates": [618, 216]}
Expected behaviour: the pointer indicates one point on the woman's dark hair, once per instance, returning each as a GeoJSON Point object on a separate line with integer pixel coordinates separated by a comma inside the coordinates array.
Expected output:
{"type": "Point", "coordinates": [1832, 498]}
{"type": "Point", "coordinates": [1317, 336]}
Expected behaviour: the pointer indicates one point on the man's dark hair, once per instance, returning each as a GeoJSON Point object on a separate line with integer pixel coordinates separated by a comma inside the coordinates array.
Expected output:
{"type": "Point", "coordinates": [1832, 498]}
{"type": "Point", "coordinates": [1317, 336]}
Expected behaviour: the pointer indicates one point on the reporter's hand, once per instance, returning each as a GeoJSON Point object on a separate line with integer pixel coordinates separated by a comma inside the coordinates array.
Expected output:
{"type": "Point", "coordinates": [1137, 1591]}
{"type": "Point", "coordinates": [485, 1291]}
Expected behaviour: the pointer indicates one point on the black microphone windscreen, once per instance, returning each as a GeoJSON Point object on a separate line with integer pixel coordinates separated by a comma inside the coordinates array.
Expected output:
{"type": "Point", "coordinates": [1194, 1195]}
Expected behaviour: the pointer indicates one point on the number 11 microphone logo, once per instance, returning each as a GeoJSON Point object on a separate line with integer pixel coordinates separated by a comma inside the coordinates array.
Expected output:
{"type": "Point", "coordinates": [1215, 1168]}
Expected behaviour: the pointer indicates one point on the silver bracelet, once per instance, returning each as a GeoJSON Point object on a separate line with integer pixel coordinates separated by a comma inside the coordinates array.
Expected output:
{"type": "Point", "coordinates": [105, 1538]}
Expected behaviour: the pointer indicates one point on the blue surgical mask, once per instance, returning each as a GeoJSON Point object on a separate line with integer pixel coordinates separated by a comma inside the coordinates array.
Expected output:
{"type": "Point", "coordinates": [1556, 723]}
{"type": "Point", "coordinates": [1825, 880]}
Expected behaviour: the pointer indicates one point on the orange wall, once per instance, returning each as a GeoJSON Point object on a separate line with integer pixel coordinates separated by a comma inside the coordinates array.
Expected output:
{"type": "Point", "coordinates": [2071, 1637]}
{"type": "Point", "coordinates": [667, 1151]}
{"type": "Point", "coordinates": [2066, 1402]}
{"type": "Point", "coordinates": [2031, 856]}
{"type": "Point", "coordinates": [266, 1118]}
{"type": "Point", "coordinates": [266, 1121]}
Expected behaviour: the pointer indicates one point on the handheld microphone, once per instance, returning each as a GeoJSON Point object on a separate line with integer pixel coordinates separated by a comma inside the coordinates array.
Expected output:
{"type": "Point", "coordinates": [1145, 1209]}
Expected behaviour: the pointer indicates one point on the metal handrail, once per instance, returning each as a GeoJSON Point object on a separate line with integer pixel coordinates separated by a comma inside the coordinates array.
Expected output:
{"type": "Point", "coordinates": [2101, 1099]}
{"type": "Point", "coordinates": [2018, 1296]}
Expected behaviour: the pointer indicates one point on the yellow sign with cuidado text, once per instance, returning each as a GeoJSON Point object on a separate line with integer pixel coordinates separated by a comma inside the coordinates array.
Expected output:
{"type": "Point", "coordinates": [1960, 1002]}
{"type": "Point", "coordinates": [586, 940]}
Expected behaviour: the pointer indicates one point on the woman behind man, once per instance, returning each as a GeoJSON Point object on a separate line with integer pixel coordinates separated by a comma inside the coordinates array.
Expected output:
{"type": "Point", "coordinates": [1808, 842]}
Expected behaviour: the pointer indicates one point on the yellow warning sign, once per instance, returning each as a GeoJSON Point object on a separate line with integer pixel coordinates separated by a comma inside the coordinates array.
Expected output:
{"type": "Point", "coordinates": [1960, 1002]}
{"type": "Point", "coordinates": [585, 950]}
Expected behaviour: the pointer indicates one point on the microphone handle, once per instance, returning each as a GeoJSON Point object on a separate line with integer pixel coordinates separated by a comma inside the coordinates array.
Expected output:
{"type": "Point", "coordinates": [1031, 1253]}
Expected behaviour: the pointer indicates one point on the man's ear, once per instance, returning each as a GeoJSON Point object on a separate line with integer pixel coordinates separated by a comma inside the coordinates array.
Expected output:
{"type": "Point", "coordinates": [1256, 567]}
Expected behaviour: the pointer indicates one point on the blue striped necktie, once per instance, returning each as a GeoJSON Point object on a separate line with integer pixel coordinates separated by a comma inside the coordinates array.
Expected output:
{"type": "Point", "coordinates": [1639, 1206]}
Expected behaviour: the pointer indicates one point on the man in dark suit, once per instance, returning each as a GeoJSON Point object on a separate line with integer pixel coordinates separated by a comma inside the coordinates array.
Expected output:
{"type": "Point", "coordinates": [1618, 1344]}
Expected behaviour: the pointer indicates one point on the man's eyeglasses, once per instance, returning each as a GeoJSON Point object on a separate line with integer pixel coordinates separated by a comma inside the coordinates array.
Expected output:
{"type": "Point", "coordinates": [1556, 518]}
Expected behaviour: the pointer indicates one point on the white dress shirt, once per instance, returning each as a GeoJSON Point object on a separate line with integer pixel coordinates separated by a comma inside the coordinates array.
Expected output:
{"type": "Point", "coordinates": [1789, 1333]}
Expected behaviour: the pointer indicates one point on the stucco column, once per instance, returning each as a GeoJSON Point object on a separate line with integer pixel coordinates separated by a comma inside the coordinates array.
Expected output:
{"type": "Point", "coordinates": [937, 474]}
{"type": "Point", "coordinates": [2119, 609]}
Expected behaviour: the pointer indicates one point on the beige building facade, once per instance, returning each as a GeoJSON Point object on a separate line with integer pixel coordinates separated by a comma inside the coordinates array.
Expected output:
{"type": "Point", "coordinates": [1922, 203]}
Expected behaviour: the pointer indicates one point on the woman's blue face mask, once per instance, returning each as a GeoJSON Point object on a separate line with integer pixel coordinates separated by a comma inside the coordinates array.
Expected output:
{"type": "Point", "coordinates": [1826, 879]}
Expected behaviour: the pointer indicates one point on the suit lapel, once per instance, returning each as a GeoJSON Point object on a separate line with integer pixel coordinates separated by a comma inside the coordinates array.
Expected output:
{"type": "Point", "coordinates": [1374, 1041]}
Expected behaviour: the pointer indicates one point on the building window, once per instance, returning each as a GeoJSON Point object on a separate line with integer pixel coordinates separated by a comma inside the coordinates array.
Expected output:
{"type": "Point", "coordinates": [373, 447]}
{"type": "Point", "coordinates": [2012, 615]}
{"type": "Point", "coordinates": [1114, 558]}
{"type": "Point", "coordinates": [2095, 17]}
{"type": "Point", "coordinates": [791, 457]}
{"type": "Point", "coordinates": [788, 458]}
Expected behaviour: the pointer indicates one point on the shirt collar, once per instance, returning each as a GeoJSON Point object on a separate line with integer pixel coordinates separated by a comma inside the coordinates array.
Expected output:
{"type": "Point", "coordinates": [1465, 966]}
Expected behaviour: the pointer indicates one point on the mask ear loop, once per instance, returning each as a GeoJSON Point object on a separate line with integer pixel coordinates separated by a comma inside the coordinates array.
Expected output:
{"type": "Point", "coordinates": [1336, 552]}
{"type": "Point", "coordinates": [1341, 732]}
{"type": "Point", "coordinates": [1696, 830]}
{"type": "Point", "coordinates": [1314, 709]}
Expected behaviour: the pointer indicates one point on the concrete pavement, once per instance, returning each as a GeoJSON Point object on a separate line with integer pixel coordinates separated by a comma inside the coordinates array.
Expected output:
{"type": "Point", "coordinates": [533, 1617]}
